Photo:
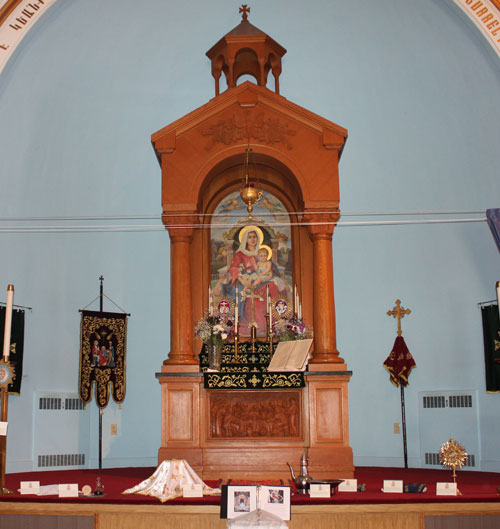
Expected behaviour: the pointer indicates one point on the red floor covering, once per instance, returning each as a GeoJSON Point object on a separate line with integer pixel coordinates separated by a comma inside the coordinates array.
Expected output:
{"type": "Point", "coordinates": [474, 487]}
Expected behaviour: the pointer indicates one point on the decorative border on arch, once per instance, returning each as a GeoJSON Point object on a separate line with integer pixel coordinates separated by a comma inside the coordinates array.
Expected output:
{"type": "Point", "coordinates": [485, 14]}
{"type": "Point", "coordinates": [17, 17]}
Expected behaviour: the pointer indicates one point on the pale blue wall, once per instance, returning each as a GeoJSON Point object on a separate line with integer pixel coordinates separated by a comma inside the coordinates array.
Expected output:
{"type": "Point", "coordinates": [419, 92]}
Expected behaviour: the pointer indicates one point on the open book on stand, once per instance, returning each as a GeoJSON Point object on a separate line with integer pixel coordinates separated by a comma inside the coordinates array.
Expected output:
{"type": "Point", "coordinates": [291, 356]}
{"type": "Point", "coordinates": [240, 499]}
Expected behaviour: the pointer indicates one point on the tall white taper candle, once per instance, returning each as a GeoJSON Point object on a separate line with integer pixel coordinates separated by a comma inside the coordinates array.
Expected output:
{"type": "Point", "coordinates": [8, 321]}
{"type": "Point", "coordinates": [236, 311]}
{"type": "Point", "coordinates": [498, 297]}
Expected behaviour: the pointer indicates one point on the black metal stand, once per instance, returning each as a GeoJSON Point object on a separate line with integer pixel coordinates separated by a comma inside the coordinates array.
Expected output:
{"type": "Point", "coordinates": [403, 422]}
{"type": "Point", "coordinates": [101, 295]}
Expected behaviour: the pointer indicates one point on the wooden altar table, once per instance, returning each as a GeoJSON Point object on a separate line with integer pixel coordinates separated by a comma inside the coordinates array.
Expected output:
{"type": "Point", "coordinates": [253, 434]}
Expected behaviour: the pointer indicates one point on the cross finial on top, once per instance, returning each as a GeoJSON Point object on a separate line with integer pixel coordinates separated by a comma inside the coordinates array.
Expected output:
{"type": "Point", "coordinates": [245, 10]}
{"type": "Point", "coordinates": [398, 312]}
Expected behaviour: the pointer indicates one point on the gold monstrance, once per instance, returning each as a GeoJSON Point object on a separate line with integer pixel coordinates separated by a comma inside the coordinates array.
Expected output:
{"type": "Point", "coordinates": [453, 455]}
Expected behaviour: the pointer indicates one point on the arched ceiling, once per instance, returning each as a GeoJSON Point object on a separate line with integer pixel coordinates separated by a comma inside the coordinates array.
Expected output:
{"type": "Point", "coordinates": [17, 17]}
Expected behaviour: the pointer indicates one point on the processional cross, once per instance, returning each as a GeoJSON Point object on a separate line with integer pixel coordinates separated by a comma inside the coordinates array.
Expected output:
{"type": "Point", "coordinates": [398, 312]}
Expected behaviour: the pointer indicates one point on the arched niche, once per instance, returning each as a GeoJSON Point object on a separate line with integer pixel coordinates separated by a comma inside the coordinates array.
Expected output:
{"type": "Point", "coordinates": [271, 176]}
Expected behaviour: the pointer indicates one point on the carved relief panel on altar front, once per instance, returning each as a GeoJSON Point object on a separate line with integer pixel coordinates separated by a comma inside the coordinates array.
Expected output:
{"type": "Point", "coordinates": [249, 414]}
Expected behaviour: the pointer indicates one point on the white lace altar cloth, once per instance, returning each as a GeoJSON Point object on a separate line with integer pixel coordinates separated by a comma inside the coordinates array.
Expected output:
{"type": "Point", "coordinates": [258, 518]}
{"type": "Point", "coordinates": [168, 480]}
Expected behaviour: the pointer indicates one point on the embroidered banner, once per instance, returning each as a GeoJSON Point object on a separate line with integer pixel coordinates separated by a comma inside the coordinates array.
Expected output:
{"type": "Point", "coordinates": [399, 363]}
{"type": "Point", "coordinates": [16, 347]}
{"type": "Point", "coordinates": [103, 339]}
{"type": "Point", "coordinates": [491, 338]}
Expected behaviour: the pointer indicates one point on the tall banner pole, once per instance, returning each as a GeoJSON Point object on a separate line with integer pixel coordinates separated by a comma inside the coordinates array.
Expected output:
{"type": "Point", "coordinates": [403, 424]}
{"type": "Point", "coordinates": [6, 373]}
{"type": "Point", "coordinates": [399, 364]}
{"type": "Point", "coordinates": [101, 295]}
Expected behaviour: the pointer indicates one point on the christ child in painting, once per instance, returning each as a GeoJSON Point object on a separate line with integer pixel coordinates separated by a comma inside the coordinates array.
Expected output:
{"type": "Point", "coordinates": [264, 271]}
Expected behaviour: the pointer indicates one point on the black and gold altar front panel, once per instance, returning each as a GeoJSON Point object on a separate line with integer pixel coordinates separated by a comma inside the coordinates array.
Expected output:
{"type": "Point", "coordinates": [247, 370]}
{"type": "Point", "coordinates": [103, 338]}
{"type": "Point", "coordinates": [254, 414]}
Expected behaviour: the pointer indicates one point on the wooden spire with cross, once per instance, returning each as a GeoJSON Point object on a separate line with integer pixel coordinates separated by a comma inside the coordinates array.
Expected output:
{"type": "Point", "coordinates": [398, 312]}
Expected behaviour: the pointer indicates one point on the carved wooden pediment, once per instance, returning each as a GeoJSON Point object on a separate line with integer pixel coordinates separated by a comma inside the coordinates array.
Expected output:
{"type": "Point", "coordinates": [282, 132]}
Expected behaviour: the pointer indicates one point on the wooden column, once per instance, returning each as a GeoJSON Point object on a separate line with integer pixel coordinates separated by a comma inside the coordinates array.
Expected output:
{"type": "Point", "coordinates": [325, 338]}
{"type": "Point", "coordinates": [181, 311]}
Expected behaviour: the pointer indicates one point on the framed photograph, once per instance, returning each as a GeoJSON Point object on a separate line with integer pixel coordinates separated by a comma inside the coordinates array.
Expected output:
{"type": "Point", "coordinates": [241, 499]}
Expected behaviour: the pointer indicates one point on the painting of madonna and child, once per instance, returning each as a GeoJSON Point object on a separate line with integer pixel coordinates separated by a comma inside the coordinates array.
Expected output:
{"type": "Point", "coordinates": [254, 257]}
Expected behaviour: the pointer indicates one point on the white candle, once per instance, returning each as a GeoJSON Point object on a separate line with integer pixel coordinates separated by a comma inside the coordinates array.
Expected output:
{"type": "Point", "coordinates": [236, 311]}
{"type": "Point", "coordinates": [210, 301]}
{"type": "Point", "coordinates": [294, 299]}
{"type": "Point", "coordinates": [8, 321]}
{"type": "Point", "coordinates": [498, 297]}
{"type": "Point", "coordinates": [300, 310]}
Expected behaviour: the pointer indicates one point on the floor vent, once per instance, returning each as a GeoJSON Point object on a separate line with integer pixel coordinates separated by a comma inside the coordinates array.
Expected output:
{"type": "Point", "coordinates": [432, 458]}
{"type": "Point", "coordinates": [61, 460]}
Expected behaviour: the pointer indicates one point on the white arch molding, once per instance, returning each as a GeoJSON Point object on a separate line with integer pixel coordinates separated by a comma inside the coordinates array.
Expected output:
{"type": "Point", "coordinates": [17, 17]}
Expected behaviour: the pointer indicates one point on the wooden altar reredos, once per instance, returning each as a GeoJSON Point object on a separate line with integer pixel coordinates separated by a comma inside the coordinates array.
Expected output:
{"type": "Point", "coordinates": [294, 156]}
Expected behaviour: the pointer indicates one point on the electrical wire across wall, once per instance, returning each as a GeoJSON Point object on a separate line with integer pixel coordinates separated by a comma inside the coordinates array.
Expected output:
{"type": "Point", "coordinates": [207, 220]}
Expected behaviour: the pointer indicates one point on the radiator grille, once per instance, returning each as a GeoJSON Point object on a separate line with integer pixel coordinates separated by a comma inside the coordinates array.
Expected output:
{"type": "Point", "coordinates": [50, 403]}
{"type": "Point", "coordinates": [453, 401]}
{"type": "Point", "coordinates": [61, 460]}
{"type": "Point", "coordinates": [432, 458]}
{"type": "Point", "coordinates": [434, 402]}
{"type": "Point", "coordinates": [460, 401]}
{"type": "Point", "coordinates": [57, 403]}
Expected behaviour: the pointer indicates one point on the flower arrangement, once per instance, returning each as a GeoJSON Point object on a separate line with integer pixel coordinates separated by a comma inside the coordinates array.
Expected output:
{"type": "Point", "coordinates": [290, 328]}
{"type": "Point", "coordinates": [214, 329]}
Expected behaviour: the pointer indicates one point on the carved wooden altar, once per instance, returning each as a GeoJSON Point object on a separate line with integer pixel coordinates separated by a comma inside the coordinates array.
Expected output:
{"type": "Point", "coordinates": [295, 155]}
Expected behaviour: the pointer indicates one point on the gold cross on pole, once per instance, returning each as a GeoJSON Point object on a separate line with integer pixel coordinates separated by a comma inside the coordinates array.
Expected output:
{"type": "Point", "coordinates": [398, 312]}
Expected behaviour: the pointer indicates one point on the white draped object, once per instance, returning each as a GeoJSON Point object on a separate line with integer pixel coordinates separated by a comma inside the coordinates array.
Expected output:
{"type": "Point", "coordinates": [168, 480]}
{"type": "Point", "coordinates": [257, 518]}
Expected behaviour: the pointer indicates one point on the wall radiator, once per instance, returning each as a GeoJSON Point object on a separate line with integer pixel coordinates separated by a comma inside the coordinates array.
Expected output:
{"type": "Point", "coordinates": [60, 432]}
{"type": "Point", "coordinates": [445, 414]}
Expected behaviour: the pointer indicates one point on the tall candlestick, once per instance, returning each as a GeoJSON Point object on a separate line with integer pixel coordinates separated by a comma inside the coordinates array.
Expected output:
{"type": "Point", "coordinates": [8, 322]}
{"type": "Point", "coordinates": [498, 297]}
{"type": "Point", "coordinates": [294, 299]}
{"type": "Point", "coordinates": [236, 311]}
